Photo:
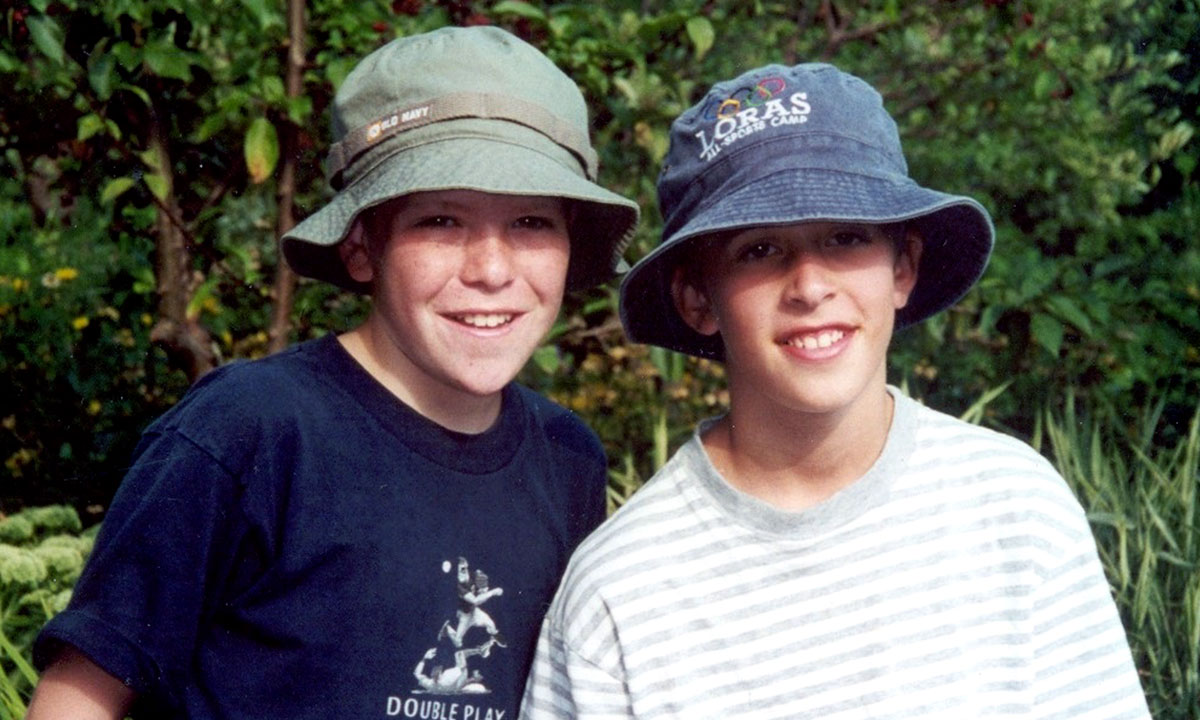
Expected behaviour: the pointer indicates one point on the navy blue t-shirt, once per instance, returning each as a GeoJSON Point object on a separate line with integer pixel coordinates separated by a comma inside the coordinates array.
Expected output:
{"type": "Point", "coordinates": [294, 542]}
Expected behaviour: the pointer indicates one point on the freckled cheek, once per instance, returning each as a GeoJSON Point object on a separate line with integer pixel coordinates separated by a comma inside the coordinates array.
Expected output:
{"type": "Point", "coordinates": [547, 268]}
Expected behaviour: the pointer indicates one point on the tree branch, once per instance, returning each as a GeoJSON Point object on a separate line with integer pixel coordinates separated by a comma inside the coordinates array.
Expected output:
{"type": "Point", "coordinates": [285, 280]}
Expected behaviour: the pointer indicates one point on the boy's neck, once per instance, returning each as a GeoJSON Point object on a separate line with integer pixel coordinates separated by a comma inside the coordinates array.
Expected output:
{"type": "Point", "coordinates": [798, 461]}
{"type": "Point", "coordinates": [453, 409]}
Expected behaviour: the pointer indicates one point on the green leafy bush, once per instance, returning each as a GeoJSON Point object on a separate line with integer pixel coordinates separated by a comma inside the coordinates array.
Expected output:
{"type": "Point", "coordinates": [42, 551]}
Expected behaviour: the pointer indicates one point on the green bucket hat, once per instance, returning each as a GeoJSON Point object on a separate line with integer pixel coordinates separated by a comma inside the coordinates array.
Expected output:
{"type": "Point", "coordinates": [462, 109]}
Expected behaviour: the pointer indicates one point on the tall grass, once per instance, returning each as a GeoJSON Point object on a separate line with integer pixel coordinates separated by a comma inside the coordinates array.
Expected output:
{"type": "Point", "coordinates": [1144, 505]}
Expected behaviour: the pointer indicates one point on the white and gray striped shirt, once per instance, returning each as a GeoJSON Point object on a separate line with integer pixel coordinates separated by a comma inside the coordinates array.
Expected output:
{"type": "Point", "coordinates": [957, 579]}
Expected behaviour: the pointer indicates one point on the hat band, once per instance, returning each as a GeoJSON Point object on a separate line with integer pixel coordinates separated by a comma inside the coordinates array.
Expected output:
{"type": "Point", "coordinates": [454, 106]}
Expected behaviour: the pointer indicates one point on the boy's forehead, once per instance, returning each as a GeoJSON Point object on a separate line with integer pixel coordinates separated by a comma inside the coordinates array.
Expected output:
{"type": "Point", "coordinates": [471, 201]}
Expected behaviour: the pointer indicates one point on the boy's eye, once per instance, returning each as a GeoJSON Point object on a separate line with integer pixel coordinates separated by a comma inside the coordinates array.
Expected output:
{"type": "Point", "coordinates": [534, 222]}
{"type": "Point", "coordinates": [847, 238]}
{"type": "Point", "coordinates": [436, 221]}
{"type": "Point", "coordinates": [755, 251]}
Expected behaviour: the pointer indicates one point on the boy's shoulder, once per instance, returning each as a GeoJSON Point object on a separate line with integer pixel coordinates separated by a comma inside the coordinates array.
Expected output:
{"type": "Point", "coordinates": [260, 386]}
{"type": "Point", "coordinates": [944, 439]}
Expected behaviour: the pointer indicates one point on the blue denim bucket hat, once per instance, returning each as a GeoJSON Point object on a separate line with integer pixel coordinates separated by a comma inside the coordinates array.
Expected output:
{"type": "Point", "coordinates": [462, 109]}
{"type": "Point", "coordinates": [782, 145]}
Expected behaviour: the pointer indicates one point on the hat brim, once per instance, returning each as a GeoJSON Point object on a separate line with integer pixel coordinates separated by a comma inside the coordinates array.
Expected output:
{"type": "Point", "coordinates": [603, 222]}
{"type": "Point", "coordinates": [956, 230]}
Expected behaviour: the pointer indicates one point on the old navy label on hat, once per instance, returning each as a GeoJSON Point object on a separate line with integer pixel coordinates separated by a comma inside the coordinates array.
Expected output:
{"type": "Point", "coordinates": [378, 128]}
{"type": "Point", "coordinates": [749, 111]}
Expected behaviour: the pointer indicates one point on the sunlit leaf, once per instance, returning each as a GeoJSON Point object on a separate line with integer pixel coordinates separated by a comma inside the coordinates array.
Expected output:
{"type": "Point", "coordinates": [114, 188]}
{"type": "Point", "coordinates": [261, 149]}
{"type": "Point", "coordinates": [88, 125]}
{"type": "Point", "coordinates": [700, 31]}
{"type": "Point", "coordinates": [519, 9]}
{"type": "Point", "coordinates": [547, 359]}
{"type": "Point", "coordinates": [157, 184]}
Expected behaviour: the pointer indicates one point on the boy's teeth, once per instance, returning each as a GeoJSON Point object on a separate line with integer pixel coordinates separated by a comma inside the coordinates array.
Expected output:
{"type": "Point", "coordinates": [486, 321]}
{"type": "Point", "coordinates": [820, 340]}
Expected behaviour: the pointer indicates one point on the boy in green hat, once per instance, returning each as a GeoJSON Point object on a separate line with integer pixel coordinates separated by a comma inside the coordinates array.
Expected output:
{"type": "Point", "coordinates": [372, 524]}
{"type": "Point", "coordinates": [828, 549]}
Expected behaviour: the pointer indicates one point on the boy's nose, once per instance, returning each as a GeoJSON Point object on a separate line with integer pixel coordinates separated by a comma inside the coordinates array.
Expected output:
{"type": "Point", "coordinates": [488, 261]}
{"type": "Point", "coordinates": [808, 281]}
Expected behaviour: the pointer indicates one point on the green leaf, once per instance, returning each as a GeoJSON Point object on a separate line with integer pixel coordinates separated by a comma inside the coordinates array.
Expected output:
{"type": "Point", "coordinates": [138, 91]}
{"type": "Point", "coordinates": [101, 73]}
{"type": "Point", "coordinates": [271, 90]}
{"type": "Point", "coordinates": [520, 9]}
{"type": "Point", "coordinates": [700, 31]}
{"type": "Point", "coordinates": [115, 188]}
{"type": "Point", "coordinates": [203, 293]}
{"type": "Point", "coordinates": [261, 149]}
{"type": "Point", "coordinates": [1047, 332]}
{"type": "Point", "coordinates": [129, 56]}
{"type": "Point", "coordinates": [266, 13]}
{"type": "Point", "coordinates": [547, 359]}
{"type": "Point", "coordinates": [1044, 84]}
{"type": "Point", "coordinates": [1067, 309]}
{"type": "Point", "coordinates": [299, 109]}
{"type": "Point", "coordinates": [150, 158]}
{"type": "Point", "coordinates": [168, 61]}
{"type": "Point", "coordinates": [210, 126]}
{"type": "Point", "coordinates": [337, 69]}
{"type": "Point", "coordinates": [8, 63]}
{"type": "Point", "coordinates": [157, 184]}
{"type": "Point", "coordinates": [89, 125]}
{"type": "Point", "coordinates": [47, 36]}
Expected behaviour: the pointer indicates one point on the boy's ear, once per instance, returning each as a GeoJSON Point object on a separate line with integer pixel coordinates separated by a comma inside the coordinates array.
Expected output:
{"type": "Point", "coordinates": [908, 260]}
{"type": "Point", "coordinates": [354, 254]}
{"type": "Point", "coordinates": [692, 304]}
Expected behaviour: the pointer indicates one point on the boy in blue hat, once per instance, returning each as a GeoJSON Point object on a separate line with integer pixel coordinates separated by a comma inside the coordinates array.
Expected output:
{"type": "Point", "coordinates": [828, 548]}
{"type": "Point", "coordinates": [372, 524]}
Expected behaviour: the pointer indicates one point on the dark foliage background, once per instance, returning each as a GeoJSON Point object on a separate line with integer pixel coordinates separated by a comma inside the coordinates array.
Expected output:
{"type": "Point", "coordinates": [150, 152]}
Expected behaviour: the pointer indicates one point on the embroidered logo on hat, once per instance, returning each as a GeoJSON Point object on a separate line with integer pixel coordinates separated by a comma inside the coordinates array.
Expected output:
{"type": "Point", "coordinates": [751, 111]}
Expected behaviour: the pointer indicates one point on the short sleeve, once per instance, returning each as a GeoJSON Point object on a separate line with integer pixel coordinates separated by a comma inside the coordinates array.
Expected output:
{"type": "Point", "coordinates": [137, 608]}
{"type": "Point", "coordinates": [564, 685]}
{"type": "Point", "coordinates": [1082, 663]}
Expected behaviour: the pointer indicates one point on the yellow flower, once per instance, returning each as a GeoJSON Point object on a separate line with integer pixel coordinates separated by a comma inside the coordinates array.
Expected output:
{"type": "Point", "coordinates": [19, 284]}
{"type": "Point", "coordinates": [94, 407]}
{"type": "Point", "coordinates": [66, 273]}
{"type": "Point", "coordinates": [80, 322]}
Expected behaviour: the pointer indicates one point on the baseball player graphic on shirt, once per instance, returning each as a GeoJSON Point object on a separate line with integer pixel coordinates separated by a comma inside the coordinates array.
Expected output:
{"type": "Point", "coordinates": [473, 591]}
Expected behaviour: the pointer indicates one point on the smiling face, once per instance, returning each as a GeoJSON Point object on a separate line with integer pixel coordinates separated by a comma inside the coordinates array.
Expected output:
{"type": "Point", "coordinates": [805, 311]}
{"type": "Point", "coordinates": [465, 286]}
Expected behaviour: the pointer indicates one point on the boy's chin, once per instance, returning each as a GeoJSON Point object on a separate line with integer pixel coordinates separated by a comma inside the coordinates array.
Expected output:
{"type": "Point", "coordinates": [487, 380]}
